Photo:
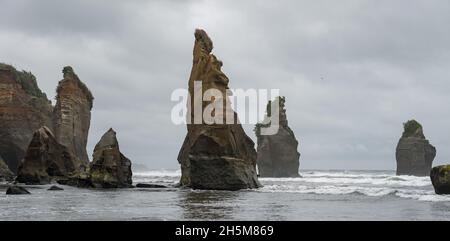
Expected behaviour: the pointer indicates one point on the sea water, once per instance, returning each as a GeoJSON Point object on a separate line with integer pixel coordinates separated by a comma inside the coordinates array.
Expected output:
{"type": "Point", "coordinates": [317, 195]}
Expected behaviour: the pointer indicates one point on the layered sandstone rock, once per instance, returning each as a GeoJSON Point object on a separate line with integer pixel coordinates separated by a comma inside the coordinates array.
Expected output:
{"type": "Point", "coordinates": [46, 160]}
{"type": "Point", "coordinates": [440, 178]}
{"type": "Point", "coordinates": [109, 167]}
{"type": "Point", "coordinates": [5, 173]}
{"type": "Point", "coordinates": [214, 156]}
{"type": "Point", "coordinates": [414, 153]}
{"type": "Point", "coordinates": [72, 114]}
{"type": "Point", "coordinates": [277, 153]}
{"type": "Point", "coordinates": [23, 109]}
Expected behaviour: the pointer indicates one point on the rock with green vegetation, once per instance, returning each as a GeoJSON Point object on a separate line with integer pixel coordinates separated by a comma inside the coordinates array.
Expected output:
{"type": "Point", "coordinates": [277, 152]}
{"type": "Point", "coordinates": [5, 173]}
{"type": "Point", "coordinates": [47, 160]}
{"type": "Point", "coordinates": [24, 108]}
{"type": "Point", "coordinates": [414, 152]}
{"type": "Point", "coordinates": [72, 113]}
{"type": "Point", "coordinates": [440, 178]}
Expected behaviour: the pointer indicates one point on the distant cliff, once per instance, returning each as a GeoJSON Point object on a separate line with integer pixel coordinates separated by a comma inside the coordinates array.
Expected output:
{"type": "Point", "coordinates": [277, 154]}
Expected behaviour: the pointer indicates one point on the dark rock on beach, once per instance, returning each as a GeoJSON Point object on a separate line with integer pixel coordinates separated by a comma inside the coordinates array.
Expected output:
{"type": "Point", "coordinates": [55, 188]}
{"type": "Point", "coordinates": [277, 153]}
{"type": "Point", "coordinates": [215, 155]}
{"type": "Point", "coordinates": [414, 152]}
{"type": "Point", "coordinates": [17, 190]}
{"type": "Point", "coordinates": [46, 159]}
{"type": "Point", "coordinates": [440, 178]}
{"type": "Point", "coordinates": [146, 185]}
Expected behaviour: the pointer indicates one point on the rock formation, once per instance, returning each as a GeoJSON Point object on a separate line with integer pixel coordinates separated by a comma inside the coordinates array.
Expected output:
{"type": "Point", "coordinates": [220, 155]}
{"type": "Point", "coordinates": [109, 167]}
{"type": "Point", "coordinates": [17, 190]}
{"type": "Point", "coordinates": [5, 173]}
{"type": "Point", "coordinates": [23, 109]}
{"type": "Point", "coordinates": [72, 114]}
{"type": "Point", "coordinates": [414, 153]}
{"type": "Point", "coordinates": [440, 178]}
{"type": "Point", "coordinates": [277, 154]}
{"type": "Point", "coordinates": [46, 159]}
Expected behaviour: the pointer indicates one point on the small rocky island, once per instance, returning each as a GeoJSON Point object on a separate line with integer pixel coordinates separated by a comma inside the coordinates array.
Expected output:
{"type": "Point", "coordinates": [440, 178]}
{"type": "Point", "coordinates": [215, 156]}
{"type": "Point", "coordinates": [414, 152]}
{"type": "Point", "coordinates": [277, 154]}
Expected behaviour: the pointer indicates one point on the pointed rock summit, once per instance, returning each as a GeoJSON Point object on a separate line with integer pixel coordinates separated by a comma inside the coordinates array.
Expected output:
{"type": "Point", "coordinates": [72, 114]}
{"type": "Point", "coordinates": [277, 154]}
{"type": "Point", "coordinates": [414, 152]}
{"type": "Point", "coordinates": [214, 156]}
{"type": "Point", "coordinates": [109, 167]}
{"type": "Point", "coordinates": [47, 160]}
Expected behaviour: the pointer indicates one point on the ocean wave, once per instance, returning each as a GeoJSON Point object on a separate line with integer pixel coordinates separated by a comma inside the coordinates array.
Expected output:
{"type": "Point", "coordinates": [421, 195]}
{"type": "Point", "coordinates": [158, 173]}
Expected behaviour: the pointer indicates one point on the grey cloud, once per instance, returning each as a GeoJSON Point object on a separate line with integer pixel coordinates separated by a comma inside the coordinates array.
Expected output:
{"type": "Point", "coordinates": [352, 71]}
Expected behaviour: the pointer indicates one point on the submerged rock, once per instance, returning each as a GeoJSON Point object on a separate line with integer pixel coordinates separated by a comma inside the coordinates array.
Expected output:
{"type": "Point", "coordinates": [440, 178]}
{"type": "Point", "coordinates": [72, 114]}
{"type": "Point", "coordinates": [109, 167]}
{"type": "Point", "coordinates": [5, 173]}
{"type": "Point", "coordinates": [220, 155]}
{"type": "Point", "coordinates": [55, 188]}
{"type": "Point", "coordinates": [146, 185]}
{"type": "Point", "coordinates": [46, 159]}
{"type": "Point", "coordinates": [414, 153]}
{"type": "Point", "coordinates": [23, 109]}
{"type": "Point", "coordinates": [17, 190]}
{"type": "Point", "coordinates": [277, 153]}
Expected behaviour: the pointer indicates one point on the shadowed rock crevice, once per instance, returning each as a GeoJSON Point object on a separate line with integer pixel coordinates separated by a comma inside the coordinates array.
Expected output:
{"type": "Point", "coordinates": [215, 156]}
{"type": "Point", "coordinates": [414, 153]}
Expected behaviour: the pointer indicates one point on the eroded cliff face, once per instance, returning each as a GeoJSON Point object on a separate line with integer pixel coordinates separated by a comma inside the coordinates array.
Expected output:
{"type": "Point", "coordinates": [414, 153]}
{"type": "Point", "coordinates": [5, 173]}
{"type": "Point", "coordinates": [277, 154]}
{"type": "Point", "coordinates": [23, 109]}
{"type": "Point", "coordinates": [72, 114]}
{"type": "Point", "coordinates": [47, 160]}
{"type": "Point", "coordinates": [214, 156]}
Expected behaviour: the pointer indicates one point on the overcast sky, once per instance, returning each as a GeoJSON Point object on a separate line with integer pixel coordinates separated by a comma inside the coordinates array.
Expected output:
{"type": "Point", "coordinates": [352, 71]}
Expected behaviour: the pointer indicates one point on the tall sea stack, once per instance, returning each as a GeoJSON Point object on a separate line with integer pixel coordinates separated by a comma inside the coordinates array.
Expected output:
{"type": "Point", "coordinates": [23, 109]}
{"type": "Point", "coordinates": [414, 153]}
{"type": "Point", "coordinates": [217, 156]}
{"type": "Point", "coordinates": [72, 114]}
{"type": "Point", "coordinates": [277, 154]}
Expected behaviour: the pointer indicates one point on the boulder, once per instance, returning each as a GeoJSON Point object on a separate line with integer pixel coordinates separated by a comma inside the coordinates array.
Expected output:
{"type": "Point", "coordinates": [55, 188]}
{"type": "Point", "coordinates": [46, 159]}
{"type": "Point", "coordinates": [5, 173]}
{"type": "Point", "coordinates": [414, 153]}
{"type": "Point", "coordinates": [146, 185]}
{"type": "Point", "coordinates": [277, 153]}
{"type": "Point", "coordinates": [16, 190]}
{"type": "Point", "coordinates": [109, 167]}
{"type": "Point", "coordinates": [440, 178]}
{"type": "Point", "coordinates": [215, 155]}
{"type": "Point", "coordinates": [23, 109]}
{"type": "Point", "coordinates": [72, 114]}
